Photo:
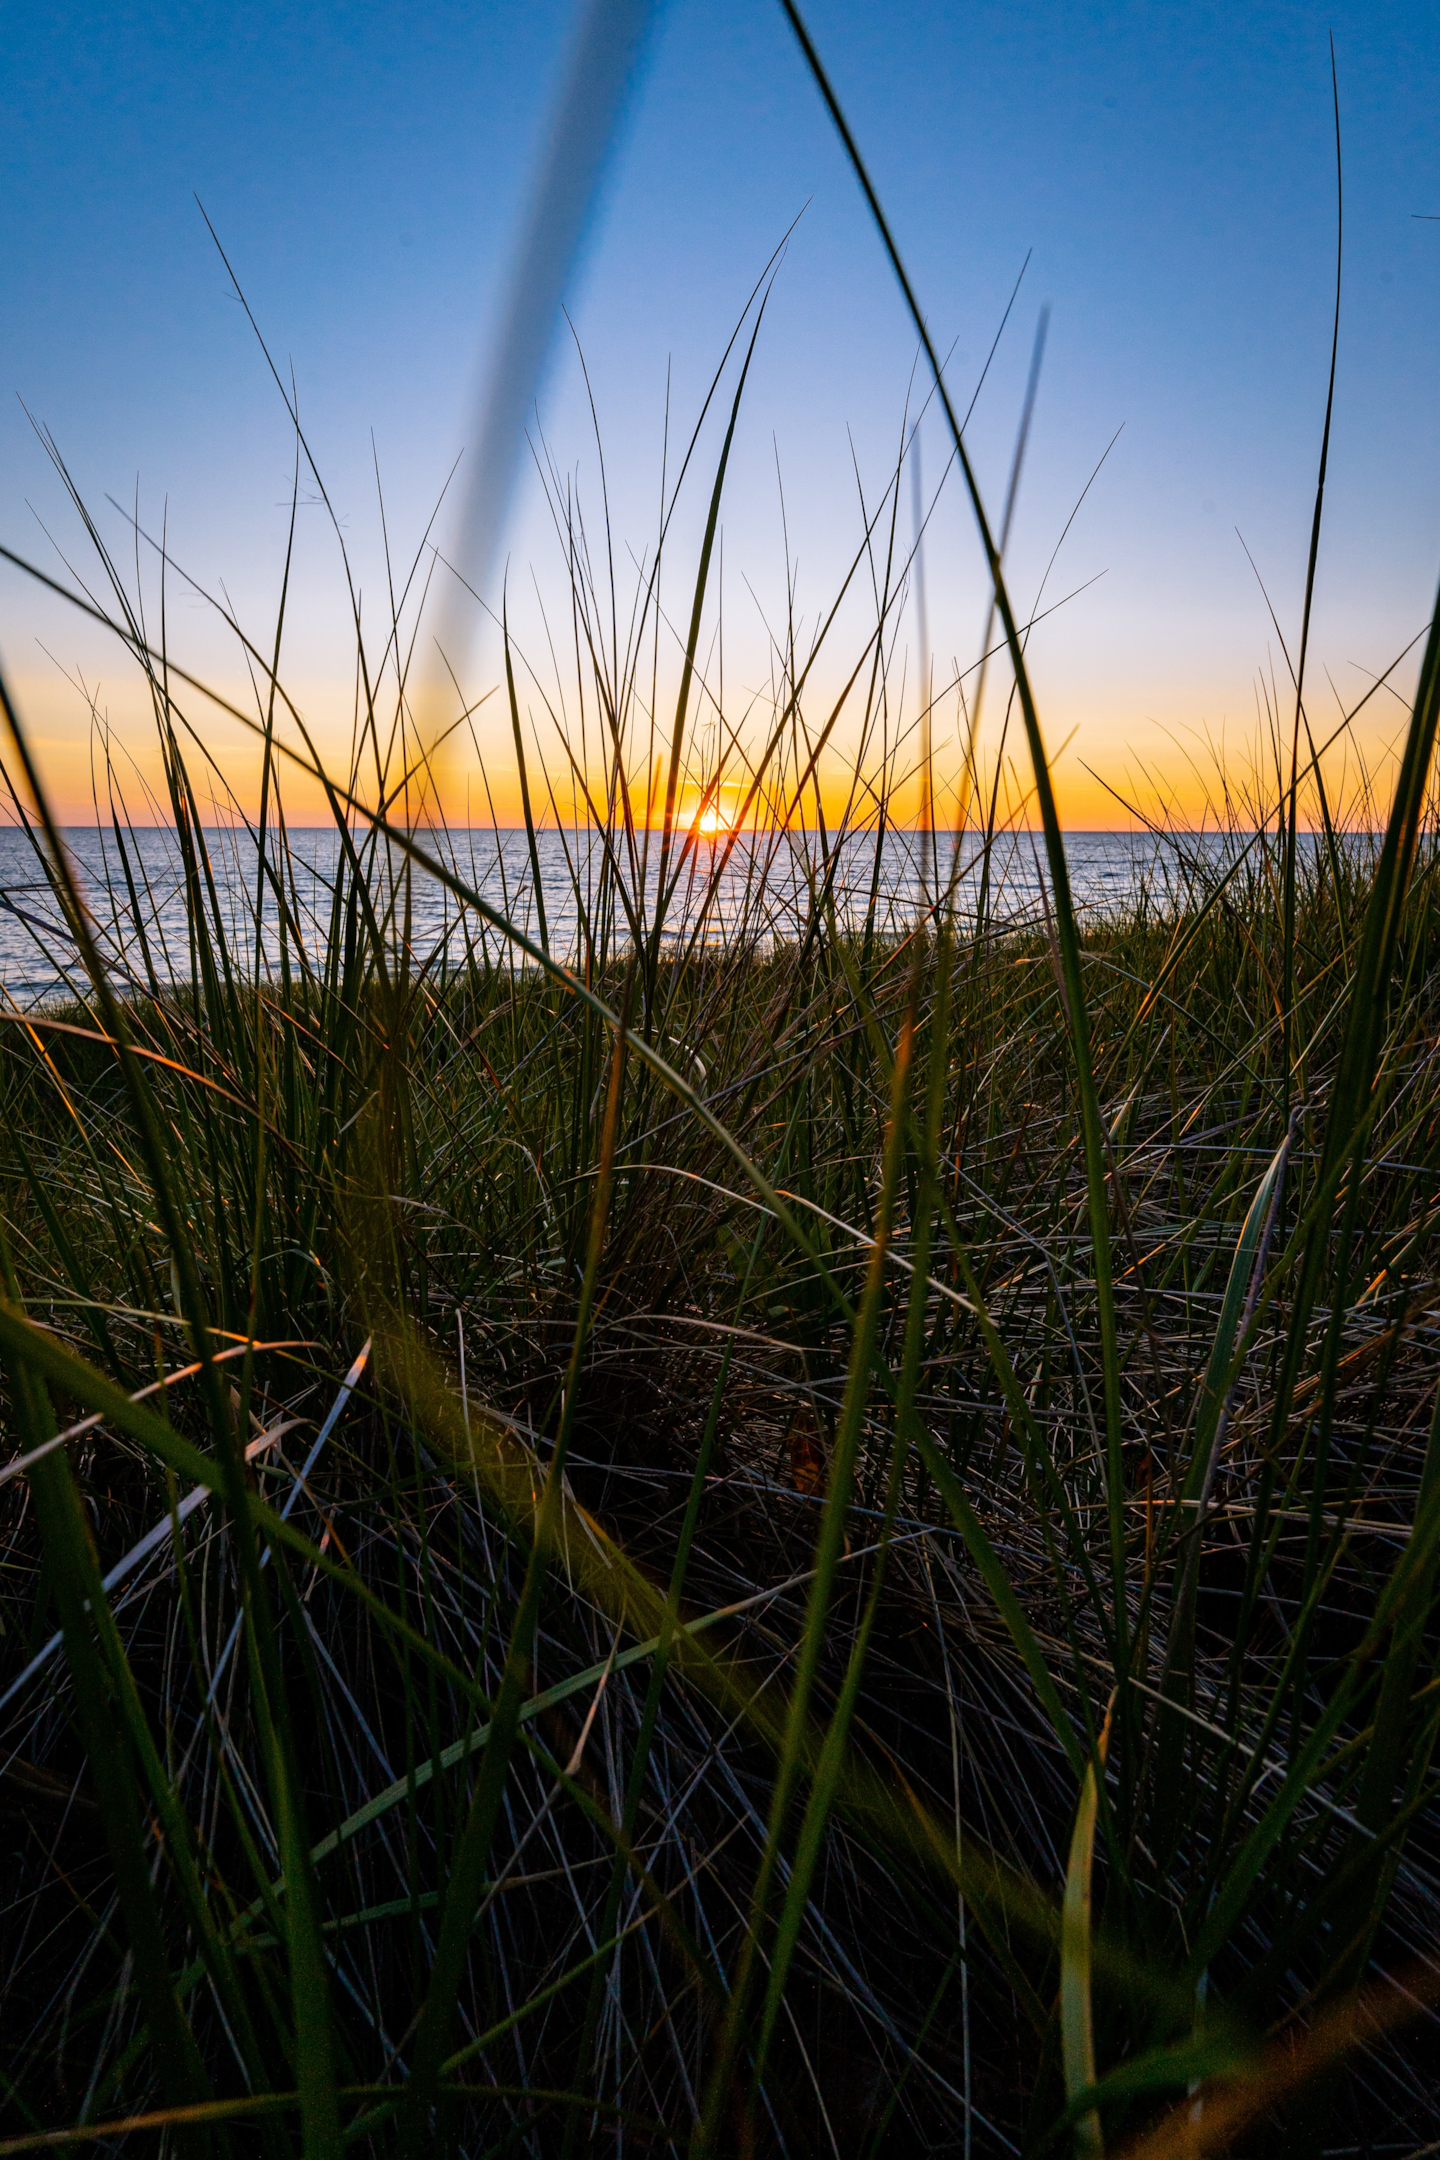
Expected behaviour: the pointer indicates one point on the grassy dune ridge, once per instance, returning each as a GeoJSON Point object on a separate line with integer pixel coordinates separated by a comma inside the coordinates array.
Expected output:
{"type": "Point", "coordinates": [751, 1535]}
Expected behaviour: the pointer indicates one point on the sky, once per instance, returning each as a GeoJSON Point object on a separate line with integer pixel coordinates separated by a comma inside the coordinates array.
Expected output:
{"type": "Point", "coordinates": [1165, 173]}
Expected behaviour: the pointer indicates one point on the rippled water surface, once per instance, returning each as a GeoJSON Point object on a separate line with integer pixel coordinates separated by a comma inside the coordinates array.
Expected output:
{"type": "Point", "coordinates": [766, 887]}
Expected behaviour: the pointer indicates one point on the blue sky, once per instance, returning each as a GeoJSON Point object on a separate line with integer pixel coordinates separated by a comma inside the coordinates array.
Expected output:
{"type": "Point", "coordinates": [1170, 169]}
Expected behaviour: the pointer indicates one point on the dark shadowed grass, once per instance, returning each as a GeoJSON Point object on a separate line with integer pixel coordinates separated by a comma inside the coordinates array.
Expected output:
{"type": "Point", "coordinates": [749, 1533]}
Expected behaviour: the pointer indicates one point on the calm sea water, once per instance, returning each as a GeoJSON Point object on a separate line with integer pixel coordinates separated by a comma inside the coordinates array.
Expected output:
{"type": "Point", "coordinates": [37, 959]}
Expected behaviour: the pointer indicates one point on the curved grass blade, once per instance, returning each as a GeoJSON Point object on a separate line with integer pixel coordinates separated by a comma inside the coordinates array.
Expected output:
{"type": "Point", "coordinates": [1077, 2034]}
{"type": "Point", "coordinates": [1067, 933]}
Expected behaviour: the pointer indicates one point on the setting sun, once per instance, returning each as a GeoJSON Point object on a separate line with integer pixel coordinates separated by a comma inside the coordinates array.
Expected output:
{"type": "Point", "coordinates": [711, 819]}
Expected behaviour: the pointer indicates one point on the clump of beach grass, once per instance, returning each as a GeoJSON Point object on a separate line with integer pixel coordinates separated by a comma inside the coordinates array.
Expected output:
{"type": "Point", "coordinates": [755, 1530]}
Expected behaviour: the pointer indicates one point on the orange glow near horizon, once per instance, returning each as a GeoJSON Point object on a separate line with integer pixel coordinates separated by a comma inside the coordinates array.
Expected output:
{"type": "Point", "coordinates": [1183, 775]}
{"type": "Point", "coordinates": [711, 817]}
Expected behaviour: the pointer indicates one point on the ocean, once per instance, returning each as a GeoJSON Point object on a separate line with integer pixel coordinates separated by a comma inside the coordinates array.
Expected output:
{"type": "Point", "coordinates": [763, 890]}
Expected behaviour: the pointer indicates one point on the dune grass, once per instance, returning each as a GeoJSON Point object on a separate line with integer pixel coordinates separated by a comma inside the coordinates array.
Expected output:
{"type": "Point", "coordinates": [724, 1528]}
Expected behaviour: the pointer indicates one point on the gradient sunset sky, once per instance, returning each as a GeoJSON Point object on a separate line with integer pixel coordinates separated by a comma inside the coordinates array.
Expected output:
{"type": "Point", "coordinates": [1169, 170]}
